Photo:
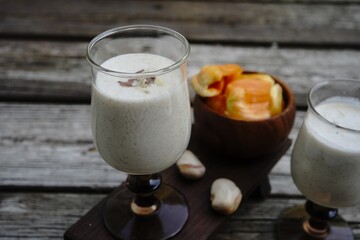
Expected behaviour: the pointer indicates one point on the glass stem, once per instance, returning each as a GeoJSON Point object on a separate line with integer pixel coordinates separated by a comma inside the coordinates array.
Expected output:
{"type": "Point", "coordinates": [144, 203]}
{"type": "Point", "coordinates": [317, 225]}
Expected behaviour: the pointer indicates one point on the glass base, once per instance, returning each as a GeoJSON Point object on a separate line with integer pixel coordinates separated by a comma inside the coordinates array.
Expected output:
{"type": "Point", "coordinates": [290, 226]}
{"type": "Point", "coordinates": [166, 222]}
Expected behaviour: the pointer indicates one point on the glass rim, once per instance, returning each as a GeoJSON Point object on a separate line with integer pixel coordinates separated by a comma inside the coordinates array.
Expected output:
{"type": "Point", "coordinates": [312, 107]}
{"type": "Point", "coordinates": [157, 72]}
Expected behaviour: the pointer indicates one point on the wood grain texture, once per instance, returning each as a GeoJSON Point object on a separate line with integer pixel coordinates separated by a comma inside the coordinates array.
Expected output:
{"type": "Point", "coordinates": [50, 146]}
{"type": "Point", "coordinates": [214, 21]}
{"type": "Point", "coordinates": [58, 71]}
{"type": "Point", "coordinates": [41, 70]}
{"type": "Point", "coordinates": [50, 214]}
{"type": "Point", "coordinates": [50, 171]}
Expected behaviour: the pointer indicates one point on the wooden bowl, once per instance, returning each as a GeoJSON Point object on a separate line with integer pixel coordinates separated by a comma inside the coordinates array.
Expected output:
{"type": "Point", "coordinates": [237, 139]}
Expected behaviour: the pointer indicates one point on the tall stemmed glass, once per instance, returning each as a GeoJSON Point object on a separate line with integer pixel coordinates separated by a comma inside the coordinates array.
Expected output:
{"type": "Point", "coordinates": [325, 163]}
{"type": "Point", "coordinates": [141, 125]}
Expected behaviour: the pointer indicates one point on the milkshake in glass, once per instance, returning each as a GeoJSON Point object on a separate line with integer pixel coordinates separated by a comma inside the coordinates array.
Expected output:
{"type": "Point", "coordinates": [326, 162]}
{"type": "Point", "coordinates": [140, 127]}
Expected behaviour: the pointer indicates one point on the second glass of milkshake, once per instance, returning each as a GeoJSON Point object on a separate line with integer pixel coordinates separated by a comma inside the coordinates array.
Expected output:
{"type": "Point", "coordinates": [141, 124]}
{"type": "Point", "coordinates": [325, 163]}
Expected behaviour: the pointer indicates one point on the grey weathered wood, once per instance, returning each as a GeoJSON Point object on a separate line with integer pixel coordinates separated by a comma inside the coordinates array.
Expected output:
{"type": "Point", "coordinates": [284, 22]}
{"type": "Point", "coordinates": [53, 144]}
{"type": "Point", "coordinates": [42, 70]}
{"type": "Point", "coordinates": [47, 149]}
{"type": "Point", "coordinates": [58, 71]}
{"type": "Point", "coordinates": [50, 146]}
{"type": "Point", "coordinates": [50, 214]}
{"type": "Point", "coordinates": [41, 216]}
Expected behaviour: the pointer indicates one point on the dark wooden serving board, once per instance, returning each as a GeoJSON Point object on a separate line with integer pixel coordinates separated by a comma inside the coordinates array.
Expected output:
{"type": "Point", "coordinates": [203, 221]}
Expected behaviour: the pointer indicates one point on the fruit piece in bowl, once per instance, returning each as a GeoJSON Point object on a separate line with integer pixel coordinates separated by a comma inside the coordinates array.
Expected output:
{"type": "Point", "coordinates": [211, 80]}
{"type": "Point", "coordinates": [250, 117]}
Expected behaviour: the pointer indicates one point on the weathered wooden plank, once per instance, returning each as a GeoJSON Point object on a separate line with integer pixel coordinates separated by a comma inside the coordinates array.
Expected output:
{"type": "Point", "coordinates": [284, 22]}
{"type": "Point", "coordinates": [41, 216]}
{"type": "Point", "coordinates": [50, 146]}
{"type": "Point", "coordinates": [58, 71]}
{"type": "Point", "coordinates": [255, 215]}
{"type": "Point", "coordinates": [48, 215]}
{"type": "Point", "coordinates": [43, 70]}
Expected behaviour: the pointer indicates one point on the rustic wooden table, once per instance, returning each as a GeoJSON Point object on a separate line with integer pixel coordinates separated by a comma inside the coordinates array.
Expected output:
{"type": "Point", "coordinates": [50, 172]}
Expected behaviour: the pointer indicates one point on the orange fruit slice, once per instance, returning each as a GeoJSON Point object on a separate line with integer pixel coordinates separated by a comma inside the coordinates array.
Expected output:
{"type": "Point", "coordinates": [276, 100]}
{"type": "Point", "coordinates": [231, 72]}
{"type": "Point", "coordinates": [254, 91]}
{"type": "Point", "coordinates": [257, 76]}
{"type": "Point", "coordinates": [248, 99]}
{"type": "Point", "coordinates": [208, 82]}
{"type": "Point", "coordinates": [246, 96]}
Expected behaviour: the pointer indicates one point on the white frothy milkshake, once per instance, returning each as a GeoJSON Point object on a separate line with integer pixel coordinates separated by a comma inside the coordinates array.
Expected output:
{"type": "Point", "coordinates": [140, 127]}
{"type": "Point", "coordinates": [326, 161]}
